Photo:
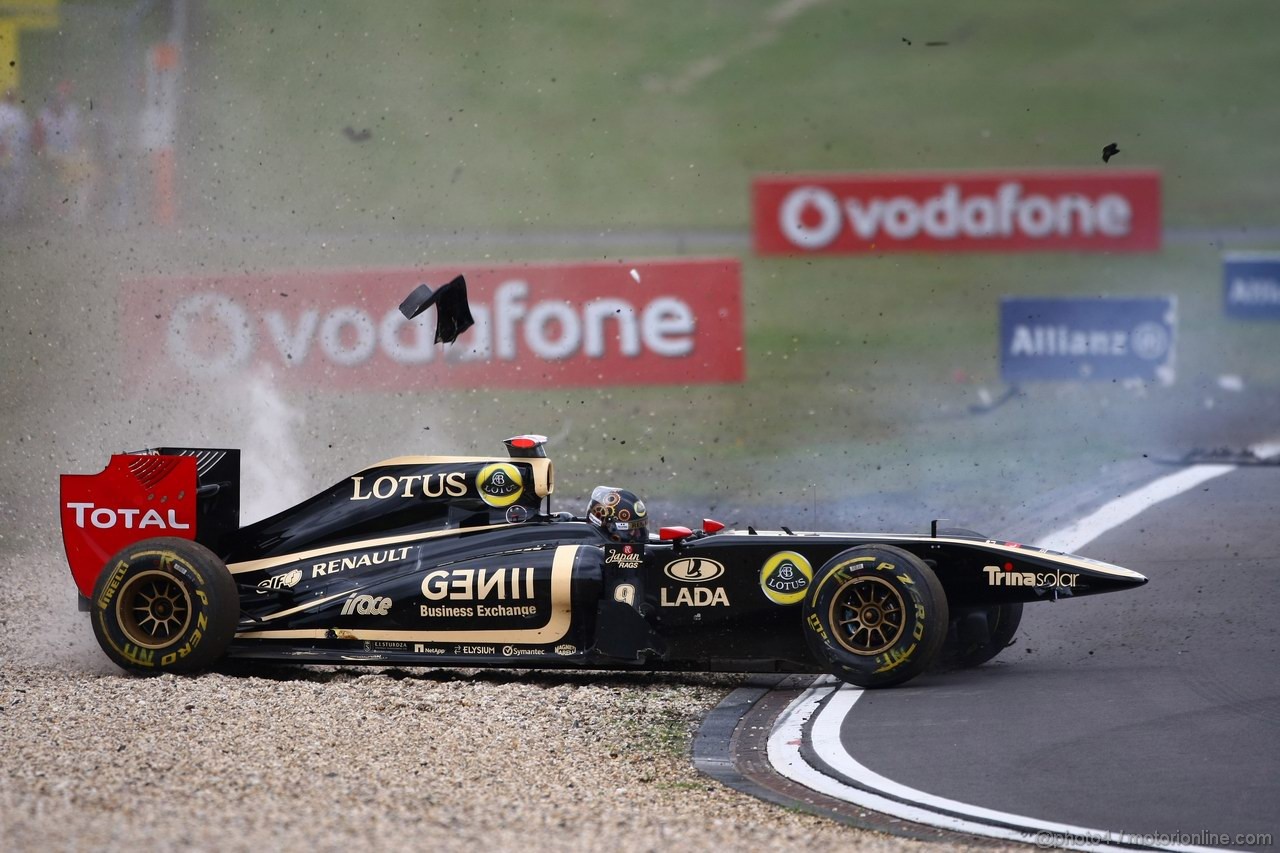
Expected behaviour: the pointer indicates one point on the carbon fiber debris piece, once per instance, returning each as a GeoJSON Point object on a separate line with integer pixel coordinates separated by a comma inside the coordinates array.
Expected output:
{"type": "Point", "coordinates": [453, 312]}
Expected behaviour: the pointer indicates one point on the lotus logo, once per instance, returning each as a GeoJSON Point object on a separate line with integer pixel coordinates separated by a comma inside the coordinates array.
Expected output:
{"type": "Point", "coordinates": [693, 570]}
{"type": "Point", "coordinates": [500, 484]}
{"type": "Point", "coordinates": [785, 577]}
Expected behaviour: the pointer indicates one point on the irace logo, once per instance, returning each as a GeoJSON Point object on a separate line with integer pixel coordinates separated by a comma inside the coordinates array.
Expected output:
{"type": "Point", "coordinates": [366, 605]}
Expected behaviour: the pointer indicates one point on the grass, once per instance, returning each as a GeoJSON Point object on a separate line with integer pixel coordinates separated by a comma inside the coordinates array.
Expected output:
{"type": "Point", "coordinates": [682, 786]}
{"type": "Point", "coordinates": [495, 115]}
{"type": "Point", "coordinates": [666, 735]}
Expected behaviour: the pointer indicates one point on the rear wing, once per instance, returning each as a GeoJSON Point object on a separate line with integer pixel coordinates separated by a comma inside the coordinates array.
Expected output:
{"type": "Point", "coordinates": [187, 492]}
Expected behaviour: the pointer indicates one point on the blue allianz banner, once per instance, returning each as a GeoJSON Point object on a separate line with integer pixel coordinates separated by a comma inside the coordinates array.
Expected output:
{"type": "Point", "coordinates": [1251, 285]}
{"type": "Point", "coordinates": [1097, 338]}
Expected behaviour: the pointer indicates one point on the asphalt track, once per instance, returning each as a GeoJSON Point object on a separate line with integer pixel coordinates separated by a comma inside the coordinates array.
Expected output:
{"type": "Point", "coordinates": [1153, 715]}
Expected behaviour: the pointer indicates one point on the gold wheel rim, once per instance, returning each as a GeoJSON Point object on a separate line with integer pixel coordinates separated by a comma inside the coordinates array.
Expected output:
{"type": "Point", "coordinates": [868, 615]}
{"type": "Point", "coordinates": [153, 610]}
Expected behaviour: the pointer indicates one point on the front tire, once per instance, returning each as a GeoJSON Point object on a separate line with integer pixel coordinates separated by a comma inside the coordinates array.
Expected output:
{"type": "Point", "coordinates": [165, 605]}
{"type": "Point", "coordinates": [876, 616]}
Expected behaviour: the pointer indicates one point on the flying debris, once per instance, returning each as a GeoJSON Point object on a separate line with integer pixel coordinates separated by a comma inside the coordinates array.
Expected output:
{"type": "Point", "coordinates": [1110, 151]}
{"type": "Point", "coordinates": [1230, 382]}
{"type": "Point", "coordinates": [986, 402]}
{"type": "Point", "coordinates": [453, 312]}
{"type": "Point", "coordinates": [357, 135]}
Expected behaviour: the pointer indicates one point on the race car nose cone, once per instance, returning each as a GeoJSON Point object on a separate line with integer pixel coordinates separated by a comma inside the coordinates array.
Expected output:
{"type": "Point", "coordinates": [1123, 576]}
{"type": "Point", "coordinates": [1116, 578]}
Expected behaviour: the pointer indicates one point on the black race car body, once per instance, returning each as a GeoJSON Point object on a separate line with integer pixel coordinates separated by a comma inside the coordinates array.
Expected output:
{"type": "Point", "coordinates": [430, 560]}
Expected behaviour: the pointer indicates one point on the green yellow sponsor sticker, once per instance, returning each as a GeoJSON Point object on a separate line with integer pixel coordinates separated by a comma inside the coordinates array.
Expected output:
{"type": "Point", "coordinates": [785, 577]}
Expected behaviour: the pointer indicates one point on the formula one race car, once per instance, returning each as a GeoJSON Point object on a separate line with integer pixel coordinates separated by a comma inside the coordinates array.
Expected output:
{"type": "Point", "coordinates": [437, 560]}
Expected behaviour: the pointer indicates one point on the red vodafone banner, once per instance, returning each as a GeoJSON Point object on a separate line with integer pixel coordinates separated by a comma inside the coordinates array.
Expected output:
{"type": "Point", "coordinates": [537, 326]}
{"type": "Point", "coordinates": [1094, 210]}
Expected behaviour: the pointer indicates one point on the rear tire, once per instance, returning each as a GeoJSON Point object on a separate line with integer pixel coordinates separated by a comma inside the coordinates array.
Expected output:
{"type": "Point", "coordinates": [165, 605]}
{"type": "Point", "coordinates": [875, 616]}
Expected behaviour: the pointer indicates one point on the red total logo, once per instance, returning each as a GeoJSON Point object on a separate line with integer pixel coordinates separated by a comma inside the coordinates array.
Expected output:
{"type": "Point", "coordinates": [1096, 210]}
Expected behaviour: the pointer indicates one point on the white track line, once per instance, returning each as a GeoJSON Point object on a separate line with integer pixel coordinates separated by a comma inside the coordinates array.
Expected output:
{"type": "Point", "coordinates": [1075, 536]}
{"type": "Point", "coordinates": [921, 807]}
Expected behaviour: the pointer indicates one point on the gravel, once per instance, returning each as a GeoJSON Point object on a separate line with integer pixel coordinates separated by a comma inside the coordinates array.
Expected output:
{"type": "Point", "coordinates": [329, 757]}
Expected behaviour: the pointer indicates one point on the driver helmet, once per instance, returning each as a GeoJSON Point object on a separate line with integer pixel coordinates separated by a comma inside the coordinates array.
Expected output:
{"type": "Point", "coordinates": [619, 514]}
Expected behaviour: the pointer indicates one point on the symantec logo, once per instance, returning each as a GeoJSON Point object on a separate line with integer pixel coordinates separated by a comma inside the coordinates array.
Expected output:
{"type": "Point", "coordinates": [1080, 210]}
